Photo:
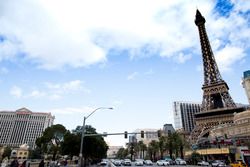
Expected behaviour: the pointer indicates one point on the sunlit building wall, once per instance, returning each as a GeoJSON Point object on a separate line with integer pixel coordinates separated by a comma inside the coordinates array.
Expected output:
{"type": "Point", "coordinates": [246, 83]}
{"type": "Point", "coordinates": [23, 127]}
{"type": "Point", "coordinates": [184, 115]}
{"type": "Point", "coordinates": [149, 135]}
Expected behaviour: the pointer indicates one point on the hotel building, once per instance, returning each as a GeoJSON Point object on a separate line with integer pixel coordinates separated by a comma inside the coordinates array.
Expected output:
{"type": "Point", "coordinates": [184, 115]}
{"type": "Point", "coordinates": [23, 127]}
{"type": "Point", "coordinates": [246, 83]}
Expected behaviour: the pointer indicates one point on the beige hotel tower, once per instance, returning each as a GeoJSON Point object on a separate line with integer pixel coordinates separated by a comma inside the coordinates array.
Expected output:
{"type": "Point", "coordinates": [23, 127]}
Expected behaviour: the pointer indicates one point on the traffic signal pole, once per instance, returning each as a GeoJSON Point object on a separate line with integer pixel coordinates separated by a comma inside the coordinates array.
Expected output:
{"type": "Point", "coordinates": [142, 133]}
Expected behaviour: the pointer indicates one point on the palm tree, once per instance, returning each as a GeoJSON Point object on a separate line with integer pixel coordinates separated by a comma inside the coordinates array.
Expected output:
{"type": "Point", "coordinates": [162, 145]}
{"type": "Point", "coordinates": [144, 148]}
{"type": "Point", "coordinates": [176, 143]}
{"type": "Point", "coordinates": [140, 145]}
{"type": "Point", "coordinates": [170, 145]}
{"type": "Point", "coordinates": [153, 149]}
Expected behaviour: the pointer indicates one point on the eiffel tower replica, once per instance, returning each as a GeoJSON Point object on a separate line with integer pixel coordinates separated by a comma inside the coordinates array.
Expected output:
{"type": "Point", "coordinates": [217, 105]}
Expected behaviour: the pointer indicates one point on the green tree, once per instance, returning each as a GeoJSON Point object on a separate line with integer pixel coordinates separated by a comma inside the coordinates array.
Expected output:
{"type": "Point", "coordinates": [153, 149]}
{"type": "Point", "coordinates": [36, 153]}
{"type": "Point", "coordinates": [195, 157]}
{"type": "Point", "coordinates": [7, 152]}
{"type": "Point", "coordinates": [142, 148]}
{"type": "Point", "coordinates": [170, 145]}
{"type": "Point", "coordinates": [94, 147]}
{"type": "Point", "coordinates": [162, 145]}
{"type": "Point", "coordinates": [71, 144]}
{"type": "Point", "coordinates": [122, 153]}
{"type": "Point", "coordinates": [50, 141]}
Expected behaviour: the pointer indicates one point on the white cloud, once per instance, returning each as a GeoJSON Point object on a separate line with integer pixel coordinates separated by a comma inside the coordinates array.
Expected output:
{"type": "Point", "coordinates": [227, 56]}
{"type": "Point", "coordinates": [4, 70]}
{"type": "Point", "coordinates": [80, 33]}
{"type": "Point", "coordinates": [16, 92]}
{"type": "Point", "coordinates": [71, 110]}
{"type": "Point", "coordinates": [149, 72]}
{"type": "Point", "coordinates": [132, 76]}
{"type": "Point", "coordinates": [53, 91]}
{"type": "Point", "coordinates": [68, 110]}
{"type": "Point", "coordinates": [67, 87]}
{"type": "Point", "coordinates": [55, 97]}
{"type": "Point", "coordinates": [36, 94]}
{"type": "Point", "coordinates": [182, 58]}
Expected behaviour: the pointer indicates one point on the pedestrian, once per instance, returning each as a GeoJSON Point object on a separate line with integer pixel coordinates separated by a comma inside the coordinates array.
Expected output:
{"type": "Point", "coordinates": [14, 163]}
{"type": "Point", "coordinates": [66, 163]}
{"type": "Point", "coordinates": [41, 164]}
{"type": "Point", "coordinates": [24, 164]}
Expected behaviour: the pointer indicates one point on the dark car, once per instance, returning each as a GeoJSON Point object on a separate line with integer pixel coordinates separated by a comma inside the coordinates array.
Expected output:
{"type": "Point", "coordinates": [171, 162]}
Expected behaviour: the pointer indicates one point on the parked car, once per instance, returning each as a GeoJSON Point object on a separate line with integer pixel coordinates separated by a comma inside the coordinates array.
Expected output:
{"type": "Point", "coordinates": [222, 164]}
{"type": "Point", "coordinates": [218, 163]}
{"type": "Point", "coordinates": [104, 162]}
{"type": "Point", "coordinates": [171, 162]}
{"type": "Point", "coordinates": [162, 163]}
{"type": "Point", "coordinates": [117, 163]}
{"type": "Point", "coordinates": [127, 162]}
{"type": "Point", "coordinates": [238, 163]}
{"type": "Point", "coordinates": [203, 163]}
{"type": "Point", "coordinates": [148, 162]}
{"type": "Point", "coordinates": [180, 161]}
{"type": "Point", "coordinates": [139, 162]}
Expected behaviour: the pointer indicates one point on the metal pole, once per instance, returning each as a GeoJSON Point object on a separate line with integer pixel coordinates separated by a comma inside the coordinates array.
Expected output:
{"type": "Point", "coordinates": [83, 134]}
{"type": "Point", "coordinates": [81, 147]}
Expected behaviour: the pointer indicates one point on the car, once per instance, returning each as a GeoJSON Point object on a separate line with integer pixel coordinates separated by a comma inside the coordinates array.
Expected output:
{"type": "Point", "coordinates": [103, 163]}
{"type": "Point", "coordinates": [222, 164]}
{"type": "Point", "coordinates": [203, 163]}
{"type": "Point", "coordinates": [238, 163]}
{"type": "Point", "coordinates": [148, 162]}
{"type": "Point", "coordinates": [171, 162]}
{"type": "Point", "coordinates": [127, 162]}
{"type": "Point", "coordinates": [180, 161]}
{"type": "Point", "coordinates": [162, 163]}
{"type": "Point", "coordinates": [117, 162]}
{"type": "Point", "coordinates": [139, 163]}
{"type": "Point", "coordinates": [216, 163]}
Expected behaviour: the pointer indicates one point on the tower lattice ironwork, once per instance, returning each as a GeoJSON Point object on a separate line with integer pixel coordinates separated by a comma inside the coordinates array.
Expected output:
{"type": "Point", "coordinates": [215, 89]}
{"type": "Point", "coordinates": [217, 105]}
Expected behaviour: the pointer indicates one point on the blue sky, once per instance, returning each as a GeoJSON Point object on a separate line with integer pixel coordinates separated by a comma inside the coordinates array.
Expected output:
{"type": "Point", "coordinates": [70, 57]}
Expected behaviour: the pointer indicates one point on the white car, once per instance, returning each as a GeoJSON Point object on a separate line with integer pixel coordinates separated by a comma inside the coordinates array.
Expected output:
{"type": "Point", "coordinates": [216, 163]}
{"type": "Point", "coordinates": [139, 163]}
{"type": "Point", "coordinates": [203, 163]}
{"type": "Point", "coordinates": [162, 163]}
{"type": "Point", "coordinates": [148, 162]}
{"type": "Point", "coordinates": [127, 162]}
{"type": "Point", "coordinates": [117, 163]}
{"type": "Point", "coordinates": [180, 161]}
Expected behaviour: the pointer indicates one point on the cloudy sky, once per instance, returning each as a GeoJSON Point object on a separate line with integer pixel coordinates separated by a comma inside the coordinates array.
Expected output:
{"type": "Point", "coordinates": [69, 57]}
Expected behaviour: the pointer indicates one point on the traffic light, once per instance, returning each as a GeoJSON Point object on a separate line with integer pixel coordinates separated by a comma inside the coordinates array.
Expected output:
{"type": "Point", "coordinates": [142, 134]}
{"type": "Point", "coordinates": [125, 134]}
{"type": "Point", "coordinates": [159, 133]}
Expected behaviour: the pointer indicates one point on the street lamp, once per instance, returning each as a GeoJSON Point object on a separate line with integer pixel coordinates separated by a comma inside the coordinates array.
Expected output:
{"type": "Point", "coordinates": [83, 133]}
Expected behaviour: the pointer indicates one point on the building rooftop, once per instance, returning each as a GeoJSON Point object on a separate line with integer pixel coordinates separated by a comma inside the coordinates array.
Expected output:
{"type": "Point", "coordinates": [246, 74]}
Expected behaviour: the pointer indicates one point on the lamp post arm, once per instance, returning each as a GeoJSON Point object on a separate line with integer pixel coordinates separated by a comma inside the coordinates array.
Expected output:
{"type": "Point", "coordinates": [93, 112]}
{"type": "Point", "coordinates": [110, 108]}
